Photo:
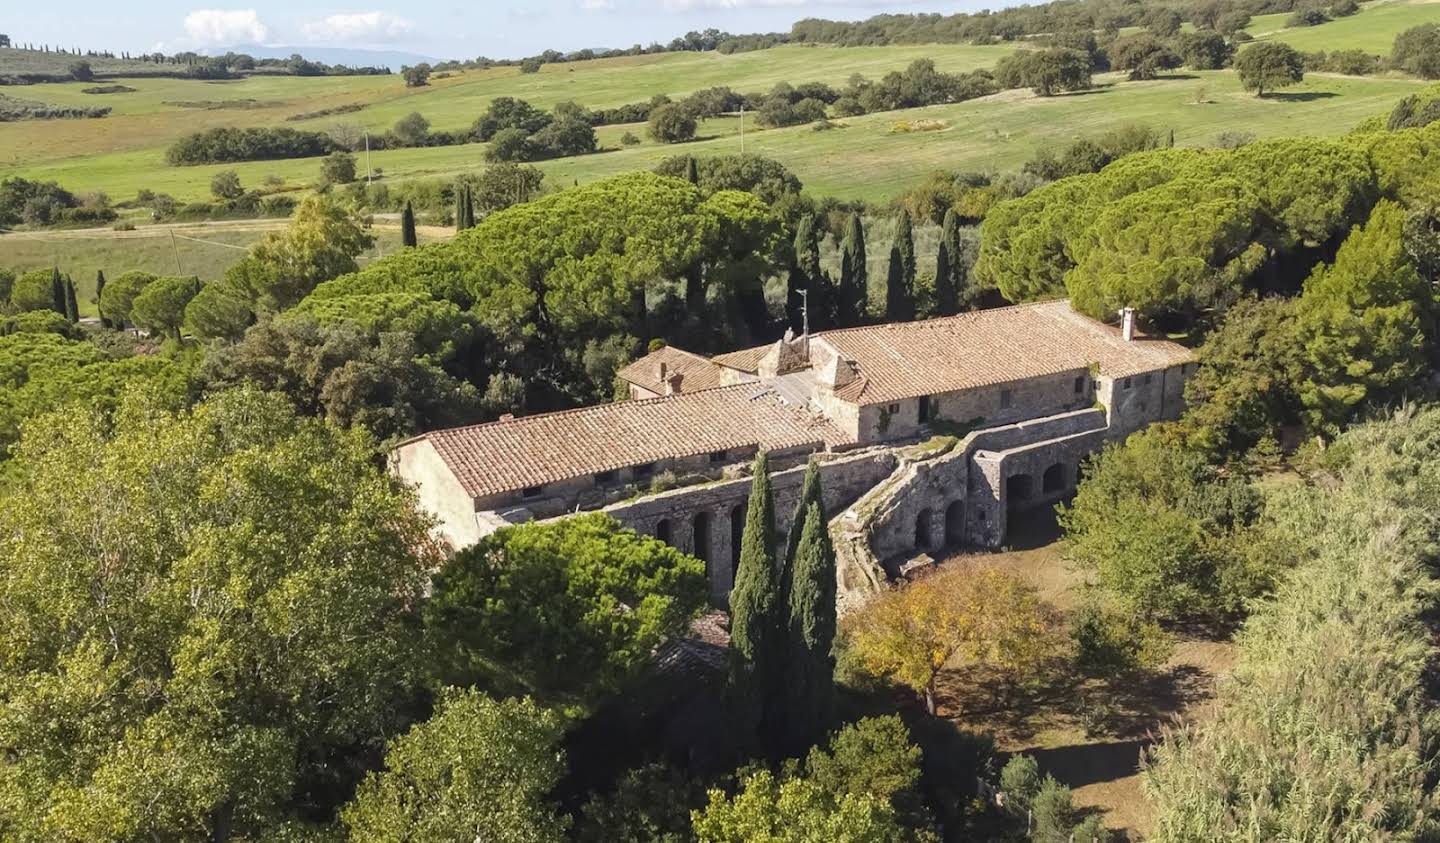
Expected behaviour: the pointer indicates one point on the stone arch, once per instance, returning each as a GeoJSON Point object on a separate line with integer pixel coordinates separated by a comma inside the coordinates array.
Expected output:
{"type": "Point", "coordinates": [737, 532]}
{"type": "Point", "coordinates": [662, 530]}
{"type": "Point", "coordinates": [955, 523]}
{"type": "Point", "coordinates": [1019, 488]}
{"type": "Point", "coordinates": [1054, 479]}
{"type": "Point", "coordinates": [923, 523]}
{"type": "Point", "coordinates": [701, 532]}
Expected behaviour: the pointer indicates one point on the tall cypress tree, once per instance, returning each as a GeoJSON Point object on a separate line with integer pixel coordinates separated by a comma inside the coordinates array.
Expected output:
{"type": "Point", "coordinates": [100, 288]}
{"type": "Point", "coordinates": [854, 278]}
{"type": "Point", "coordinates": [692, 170]}
{"type": "Point", "coordinates": [72, 304]}
{"type": "Point", "coordinates": [755, 632]}
{"type": "Point", "coordinates": [459, 212]}
{"type": "Point", "coordinates": [799, 278]}
{"type": "Point", "coordinates": [407, 226]}
{"type": "Point", "coordinates": [900, 283]}
{"type": "Point", "coordinates": [810, 664]}
{"type": "Point", "coordinates": [950, 278]}
{"type": "Point", "coordinates": [57, 291]}
{"type": "Point", "coordinates": [469, 207]}
{"type": "Point", "coordinates": [809, 494]}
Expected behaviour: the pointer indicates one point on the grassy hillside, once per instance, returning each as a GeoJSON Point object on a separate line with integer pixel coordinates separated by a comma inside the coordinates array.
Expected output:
{"type": "Point", "coordinates": [1373, 29]}
{"type": "Point", "coordinates": [18, 62]}
{"type": "Point", "coordinates": [161, 110]}
{"type": "Point", "coordinates": [862, 160]}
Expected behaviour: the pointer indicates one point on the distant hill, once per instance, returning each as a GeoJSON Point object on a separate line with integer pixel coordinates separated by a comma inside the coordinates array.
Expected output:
{"type": "Point", "coordinates": [392, 59]}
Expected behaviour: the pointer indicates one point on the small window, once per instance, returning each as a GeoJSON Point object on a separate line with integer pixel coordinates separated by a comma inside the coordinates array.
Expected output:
{"type": "Point", "coordinates": [1146, 380]}
{"type": "Point", "coordinates": [719, 456]}
{"type": "Point", "coordinates": [892, 408]}
{"type": "Point", "coordinates": [603, 477]}
{"type": "Point", "coordinates": [531, 491]}
{"type": "Point", "coordinates": [644, 469]}
{"type": "Point", "coordinates": [1006, 399]}
{"type": "Point", "coordinates": [1080, 385]}
{"type": "Point", "coordinates": [1125, 384]}
{"type": "Point", "coordinates": [924, 409]}
{"type": "Point", "coordinates": [980, 514]}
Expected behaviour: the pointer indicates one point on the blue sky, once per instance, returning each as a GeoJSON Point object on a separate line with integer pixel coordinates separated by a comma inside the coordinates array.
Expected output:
{"type": "Point", "coordinates": [442, 28]}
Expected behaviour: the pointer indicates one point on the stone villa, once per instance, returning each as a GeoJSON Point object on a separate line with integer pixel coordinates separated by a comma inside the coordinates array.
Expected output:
{"type": "Point", "coordinates": [929, 434]}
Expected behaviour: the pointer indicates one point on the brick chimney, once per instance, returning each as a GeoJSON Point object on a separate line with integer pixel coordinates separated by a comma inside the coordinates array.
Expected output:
{"type": "Point", "coordinates": [661, 376]}
{"type": "Point", "coordinates": [1127, 323]}
{"type": "Point", "coordinates": [672, 383]}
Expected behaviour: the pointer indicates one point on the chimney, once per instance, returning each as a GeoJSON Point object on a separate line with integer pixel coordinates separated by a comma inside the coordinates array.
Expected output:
{"type": "Point", "coordinates": [507, 417]}
{"type": "Point", "coordinates": [661, 377]}
{"type": "Point", "coordinates": [672, 384]}
{"type": "Point", "coordinates": [1127, 323]}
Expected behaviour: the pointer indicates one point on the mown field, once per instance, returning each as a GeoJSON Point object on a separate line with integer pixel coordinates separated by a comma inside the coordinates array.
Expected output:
{"type": "Point", "coordinates": [152, 117]}
{"type": "Point", "coordinates": [1373, 29]}
{"type": "Point", "coordinates": [864, 159]}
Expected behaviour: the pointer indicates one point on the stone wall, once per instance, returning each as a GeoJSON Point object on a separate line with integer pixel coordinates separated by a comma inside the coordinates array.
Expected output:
{"type": "Point", "coordinates": [707, 520]}
{"type": "Point", "coordinates": [995, 404]}
{"type": "Point", "coordinates": [418, 463]}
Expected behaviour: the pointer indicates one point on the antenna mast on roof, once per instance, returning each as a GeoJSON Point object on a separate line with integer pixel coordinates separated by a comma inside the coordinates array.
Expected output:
{"type": "Point", "coordinates": [805, 321]}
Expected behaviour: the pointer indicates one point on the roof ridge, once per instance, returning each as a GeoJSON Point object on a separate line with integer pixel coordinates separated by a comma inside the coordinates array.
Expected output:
{"type": "Point", "coordinates": [574, 411]}
{"type": "Point", "coordinates": [969, 314]}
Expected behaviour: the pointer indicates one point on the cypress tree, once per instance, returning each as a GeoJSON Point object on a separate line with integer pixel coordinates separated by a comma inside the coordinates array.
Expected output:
{"type": "Point", "coordinates": [809, 494]}
{"type": "Point", "coordinates": [692, 170]}
{"type": "Point", "coordinates": [854, 278]}
{"type": "Point", "coordinates": [407, 226]}
{"type": "Point", "coordinates": [459, 212]}
{"type": "Point", "coordinates": [469, 207]}
{"type": "Point", "coordinates": [810, 663]}
{"type": "Point", "coordinates": [755, 632]}
{"type": "Point", "coordinates": [57, 291]}
{"type": "Point", "coordinates": [949, 267]}
{"type": "Point", "coordinates": [799, 278]}
{"type": "Point", "coordinates": [100, 288]}
{"type": "Point", "coordinates": [900, 283]}
{"type": "Point", "coordinates": [72, 305]}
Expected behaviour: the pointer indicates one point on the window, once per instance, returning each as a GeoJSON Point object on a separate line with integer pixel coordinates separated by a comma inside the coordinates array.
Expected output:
{"type": "Point", "coordinates": [1146, 380]}
{"type": "Point", "coordinates": [1125, 384]}
{"type": "Point", "coordinates": [603, 477]}
{"type": "Point", "coordinates": [531, 491]}
{"type": "Point", "coordinates": [892, 408]}
{"type": "Point", "coordinates": [980, 515]}
{"type": "Point", "coordinates": [1080, 385]}
{"type": "Point", "coordinates": [644, 469]}
{"type": "Point", "coordinates": [718, 456]}
{"type": "Point", "coordinates": [1006, 399]}
{"type": "Point", "coordinates": [924, 409]}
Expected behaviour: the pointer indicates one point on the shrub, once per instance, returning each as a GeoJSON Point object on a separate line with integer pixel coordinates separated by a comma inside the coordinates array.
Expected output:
{"type": "Point", "coordinates": [338, 167]}
{"type": "Point", "coordinates": [253, 144]}
{"type": "Point", "coordinates": [672, 123]}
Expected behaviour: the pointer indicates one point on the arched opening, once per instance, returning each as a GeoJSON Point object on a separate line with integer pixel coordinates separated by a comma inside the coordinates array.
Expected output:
{"type": "Point", "coordinates": [662, 530]}
{"type": "Point", "coordinates": [1054, 479]}
{"type": "Point", "coordinates": [922, 530]}
{"type": "Point", "coordinates": [1019, 488]}
{"type": "Point", "coordinates": [737, 532]}
{"type": "Point", "coordinates": [955, 524]}
{"type": "Point", "coordinates": [701, 550]}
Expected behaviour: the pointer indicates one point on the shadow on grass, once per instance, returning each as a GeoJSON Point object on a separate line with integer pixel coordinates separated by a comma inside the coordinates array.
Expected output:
{"type": "Point", "coordinates": [1304, 96]}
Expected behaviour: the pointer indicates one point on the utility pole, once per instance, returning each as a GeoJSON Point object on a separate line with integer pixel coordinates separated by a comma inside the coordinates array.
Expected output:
{"type": "Point", "coordinates": [805, 320]}
{"type": "Point", "coordinates": [369, 170]}
{"type": "Point", "coordinates": [742, 128]}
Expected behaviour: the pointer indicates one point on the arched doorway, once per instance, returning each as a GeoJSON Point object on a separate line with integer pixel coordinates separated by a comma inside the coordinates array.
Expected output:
{"type": "Point", "coordinates": [662, 530]}
{"type": "Point", "coordinates": [1019, 488]}
{"type": "Point", "coordinates": [955, 524]}
{"type": "Point", "coordinates": [1054, 479]}
{"type": "Point", "coordinates": [737, 532]}
{"type": "Point", "coordinates": [922, 530]}
{"type": "Point", "coordinates": [701, 549]}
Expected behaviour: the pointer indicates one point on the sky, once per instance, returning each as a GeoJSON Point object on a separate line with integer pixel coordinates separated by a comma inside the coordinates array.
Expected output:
{"type": "Point", "coordinates": [437, 28]}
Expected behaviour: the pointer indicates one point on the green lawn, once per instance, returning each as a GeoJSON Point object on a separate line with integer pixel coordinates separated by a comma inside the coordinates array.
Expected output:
{"type": "Point", "coordinates": [864, 160]}
{"type": "Point", "coordinates": [1373, 29]}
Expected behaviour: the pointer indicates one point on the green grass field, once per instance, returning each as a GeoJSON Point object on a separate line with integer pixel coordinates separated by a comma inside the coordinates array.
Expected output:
{"type": "Point", "coordinates": [1373, 29]}
{"type": "Point", "coordinates": [864, 160]}
{"type": "Point", "coordinates": [149, 120]}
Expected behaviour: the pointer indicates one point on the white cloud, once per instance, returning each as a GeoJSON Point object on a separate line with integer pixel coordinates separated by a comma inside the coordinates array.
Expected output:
{"type": "Point", "coordinates": [358, 27]}
{"type": "Point", "coordinates": [225, 27]}
{"type": "Point", "coordinates": [597, 5]}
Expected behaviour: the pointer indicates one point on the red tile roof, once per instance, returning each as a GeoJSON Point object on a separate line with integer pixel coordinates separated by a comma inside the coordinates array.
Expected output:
{"type": "Point", "coordinates": [514, 454]}
{"type": "Point", "coordinates": [696, 372]}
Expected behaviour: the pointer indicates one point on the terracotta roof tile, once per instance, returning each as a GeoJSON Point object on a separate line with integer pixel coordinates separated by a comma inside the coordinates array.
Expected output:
{"type": "Point", "coordinates": [518, 453]}
{"type": "Point", "coordinates": [987, 347]}
{"type": "Point", "coordinates": [745, 360]}
{"type": "Point", "coordinates": [696, 372]}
